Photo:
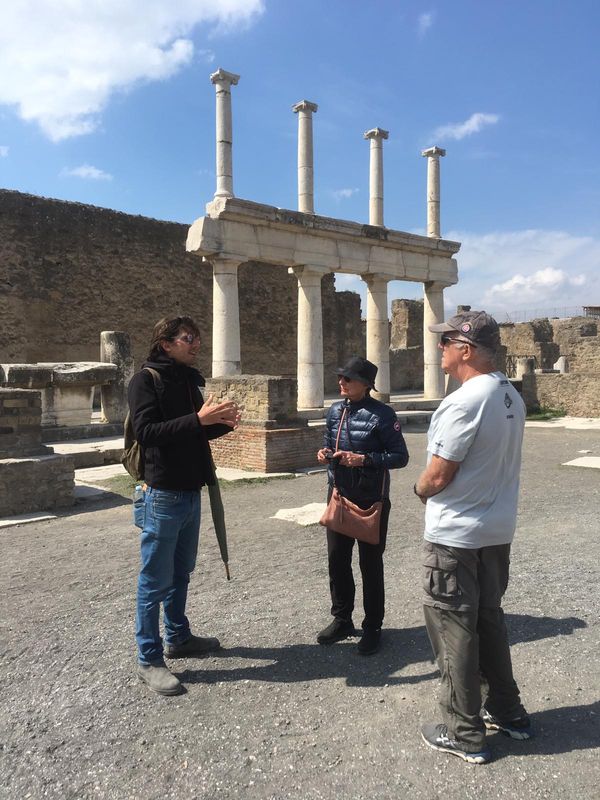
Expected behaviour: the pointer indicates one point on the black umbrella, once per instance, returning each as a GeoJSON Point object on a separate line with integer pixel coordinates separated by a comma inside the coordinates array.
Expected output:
{"type": "Point", "coordinates": [218, 515]}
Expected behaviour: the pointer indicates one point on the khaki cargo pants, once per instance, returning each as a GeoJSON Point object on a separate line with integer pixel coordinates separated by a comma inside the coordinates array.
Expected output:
{"type": "Point", "coordinates": [465, 623]}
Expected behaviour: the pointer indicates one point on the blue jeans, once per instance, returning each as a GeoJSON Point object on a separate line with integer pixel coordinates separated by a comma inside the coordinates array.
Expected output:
{"type": "Point", "coordinates": [169, 543]}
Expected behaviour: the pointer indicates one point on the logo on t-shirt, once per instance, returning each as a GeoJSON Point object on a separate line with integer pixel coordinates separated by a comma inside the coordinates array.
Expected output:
{"type": "Point", "coordinates": [507, 401]}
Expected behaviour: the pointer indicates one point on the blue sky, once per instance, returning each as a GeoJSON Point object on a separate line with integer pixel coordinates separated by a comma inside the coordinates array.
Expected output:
{"type": "Point", "coordinates": [109, 102]}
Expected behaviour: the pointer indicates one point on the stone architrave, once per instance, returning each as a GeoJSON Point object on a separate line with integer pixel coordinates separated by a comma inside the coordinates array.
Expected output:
{"type": "Point", "coordinates": [376, 136]}
{"type": "Point", "coordinates": [378, 336]}
{"type": "Point", "coordinates": [305, 110]}
{"type": "Point", "coordinates": [115, 348]}
{"type": "Point", "coordinates": [311, 396]}
{"type": "Point", "coordinates": [433, 155]}
{"type": "Point", "coordinates": [223, 82]}
{"type": "Point", "coordinates": [226, 358]}
{"type": "Point", "coordinates": [433, 314]}
{"type": "Point", "coordinates": [242, 230]}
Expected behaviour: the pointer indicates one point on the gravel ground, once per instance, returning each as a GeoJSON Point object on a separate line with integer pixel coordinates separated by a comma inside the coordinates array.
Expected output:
{"type": "Point", "coordinates": [274, 715]}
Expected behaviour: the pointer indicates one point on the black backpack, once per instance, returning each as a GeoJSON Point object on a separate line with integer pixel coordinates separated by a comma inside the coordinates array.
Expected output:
{"type": "Point", "coordinates": [132, 457]}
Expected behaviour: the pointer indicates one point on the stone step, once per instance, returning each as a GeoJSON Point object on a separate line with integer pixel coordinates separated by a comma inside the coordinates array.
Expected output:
{"type": "Point", "coordinates": [91, 452]}
{"type": "Point", "coordinates": [69, 433]}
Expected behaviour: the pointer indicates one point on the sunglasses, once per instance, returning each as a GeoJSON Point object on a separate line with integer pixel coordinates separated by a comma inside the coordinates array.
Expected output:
{"type": "Point", "coordinates": [447, 339]}
{"type": "Point", "coordinates": [187, 338]}
{"type": "Point", "coordinates": [344, 379]}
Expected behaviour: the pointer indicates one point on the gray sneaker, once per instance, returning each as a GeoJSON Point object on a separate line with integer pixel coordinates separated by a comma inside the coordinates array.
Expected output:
{"type": "Point", "coordinates": [194, 646]}
{"type": "Point", "coordinates": [158, 678]}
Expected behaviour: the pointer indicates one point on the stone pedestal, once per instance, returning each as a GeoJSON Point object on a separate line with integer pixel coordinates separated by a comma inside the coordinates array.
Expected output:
{"type": "Point", "coordinates": [32, 477]}
{"type": "Point", "coordinates": [115, 348]}
{"type": "Point", "coordinates": [68, 399]}
{"type": "Point", "coordinates": [271, 438]}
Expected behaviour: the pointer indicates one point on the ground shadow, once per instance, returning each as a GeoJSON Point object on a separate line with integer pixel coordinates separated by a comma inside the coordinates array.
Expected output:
{"type": "Point", "coordinates": [401, 648]}
{"type": "Point", "coordinates": [557, 730]}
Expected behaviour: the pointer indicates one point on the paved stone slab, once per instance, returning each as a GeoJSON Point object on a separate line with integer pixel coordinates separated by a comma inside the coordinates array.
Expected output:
{"type": "Point", "coordinates": [571, 423]}
{"type": "Point", "coordinates": [310, 514]}
{"type": "Point", "coordinates": [584, 461]}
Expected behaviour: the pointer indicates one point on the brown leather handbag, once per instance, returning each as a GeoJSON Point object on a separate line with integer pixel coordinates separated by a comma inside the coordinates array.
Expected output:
{"type": "Point", "coordinates": [345, 517]}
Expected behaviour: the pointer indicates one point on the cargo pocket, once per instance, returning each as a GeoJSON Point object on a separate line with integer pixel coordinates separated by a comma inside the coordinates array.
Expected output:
{"type": "Point", "coordinates": [139, 513]}
{"type": "Point", "coordinates": [439, 579]}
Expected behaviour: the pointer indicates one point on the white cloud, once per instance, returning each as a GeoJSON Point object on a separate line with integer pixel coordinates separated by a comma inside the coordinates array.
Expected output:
{"type": "Point", "coordinates": [3, 151]}
{"type": "Point", "coordinates": [343, 194]}
{"type": "Point", "coordinates": [87, 172]}
{"type": "Point", "coordinates": [425, 22]}
{"type": "Point", "coordinates": [458, 130]}
{"type": "Point", "coordinates": [530, 269]}
{"type": "Point", "coordinates": [61, 60]}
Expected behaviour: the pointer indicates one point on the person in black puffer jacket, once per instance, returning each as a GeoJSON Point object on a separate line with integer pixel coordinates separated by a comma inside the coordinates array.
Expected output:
{"type": "Point", "coordinates": [370, 444]}
{"type": "Point", "coordinates": [173, 426]}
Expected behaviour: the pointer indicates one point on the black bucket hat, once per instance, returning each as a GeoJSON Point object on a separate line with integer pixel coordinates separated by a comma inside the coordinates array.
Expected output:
{"type": "Point", "coordinates": [359, 369]}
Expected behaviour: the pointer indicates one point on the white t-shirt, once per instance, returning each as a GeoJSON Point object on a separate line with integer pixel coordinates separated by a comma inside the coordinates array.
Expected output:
{"type": "Point", "coordinates": [481, 425]}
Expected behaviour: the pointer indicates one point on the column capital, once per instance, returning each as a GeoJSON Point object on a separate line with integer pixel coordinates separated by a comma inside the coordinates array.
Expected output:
{"type": "Point", "coordinates": [302, 270]}
{"type": "Point", "coordinates": [370, 277]}
{"type": "Point", "coordinates": [224, 265]}
{"type": "Point", "coordinates": [304, 105]}
{"type": "Point", "coordinates": [438, 286]}
{"type": "Point", "coordinates": [222, 76]}
{"type": "Point", "coordinates": [433, 152]}
{"type": "Point", "coordinates": [376, 133]}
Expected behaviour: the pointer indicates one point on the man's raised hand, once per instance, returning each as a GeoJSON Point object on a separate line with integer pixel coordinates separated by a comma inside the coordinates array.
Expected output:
{"type": "Point", "coordinates": [225, 413]}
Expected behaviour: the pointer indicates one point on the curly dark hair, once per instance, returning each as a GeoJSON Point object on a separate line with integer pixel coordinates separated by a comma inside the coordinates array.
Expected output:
{"type": "Point", "coordinates": [168, 328]}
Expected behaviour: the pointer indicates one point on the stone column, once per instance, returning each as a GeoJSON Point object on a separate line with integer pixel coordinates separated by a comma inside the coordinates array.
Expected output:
{"type": "Point", "coordinates": [310, 341]}
{"type": "Point", "coordinates": [223, 82]}
{"type": "Point", "coordinates": [433, 314]}
{"type": "Point", "coordinates": [433, 155]}
{"type": "Point", "coordinates": [378, 332]}
{"type": "Point", "coordinates": [376, 135]}
{"type": "Point", "coordinates": [115, 348]}
{"type": "Point", "coordinates": [305, 110]}
{"type": "Point", "coordinates": [226, 352]}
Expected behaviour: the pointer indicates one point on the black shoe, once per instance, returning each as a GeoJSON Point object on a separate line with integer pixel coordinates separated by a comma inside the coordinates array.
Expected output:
{"type": "Point", "coordinates": [193, 647]}
{"type": "Point", "coordinates": [336, 631]}
{"type": "Point", "coordinates": [519, 728]}
{"type": "Point", "coordinates": [370, 641]}
{"type": "Point", "coordinates": [436, 736]}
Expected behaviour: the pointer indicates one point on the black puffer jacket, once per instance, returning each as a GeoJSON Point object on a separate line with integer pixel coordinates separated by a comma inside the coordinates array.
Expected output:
{"type": "Point", "coordinates": [176, 450]}
{"type": "Point", "coordinates": [370, 428]}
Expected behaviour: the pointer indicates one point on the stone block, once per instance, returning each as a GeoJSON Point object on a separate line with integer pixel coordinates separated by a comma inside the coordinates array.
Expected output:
{"type": "Point", "coordinates": [36, 483]}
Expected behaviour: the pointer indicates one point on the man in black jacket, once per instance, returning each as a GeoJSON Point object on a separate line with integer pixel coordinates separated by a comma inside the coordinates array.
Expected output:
{"type": "Point", "coordinates": [173, 425]}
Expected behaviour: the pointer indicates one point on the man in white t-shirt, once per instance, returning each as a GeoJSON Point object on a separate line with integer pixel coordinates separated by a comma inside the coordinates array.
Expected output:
{"type": "Point", "coordinates": [470, 487]}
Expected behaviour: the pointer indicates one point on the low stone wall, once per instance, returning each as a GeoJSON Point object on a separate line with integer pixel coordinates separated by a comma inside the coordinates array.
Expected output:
{"type": "Point", "coordinates": [576, 394]}
{"type": "Point", "coordinates": [406, 368]}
